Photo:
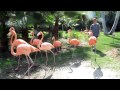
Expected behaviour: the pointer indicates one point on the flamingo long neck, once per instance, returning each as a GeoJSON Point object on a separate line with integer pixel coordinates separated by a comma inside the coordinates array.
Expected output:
{"type": "Point", "coordinates": [12, 43]}
{"type": "Point", "coordinates": [42, 36]}
{"type": "Point", "coordinates": [54, 40]}
{"type": "Point", "coordinates": [31, 41]}
{"type": "Point", "coordinates": [11, 40]}
{"type": "Point", "coordinates": [40, 41]}
{"type": "Point", "coordinates": [15, 35]}
{"type": "Point", "coordinates": [12, 51]}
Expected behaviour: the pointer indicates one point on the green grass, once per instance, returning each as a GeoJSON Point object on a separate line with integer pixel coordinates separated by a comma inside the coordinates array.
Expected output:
{"type": "Point", "coordinates": [7, 63]}
{"type": "Point", "coordinates": [104, 44]}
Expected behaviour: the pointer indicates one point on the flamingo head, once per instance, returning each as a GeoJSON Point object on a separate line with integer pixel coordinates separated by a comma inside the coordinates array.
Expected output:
{"type": "Point", "coordinates": [32, 33]}
{"type": "Point", "coordinates": [69, 30]}
{"type": "Point", "coordinates": [11, 31]}
{"type": "Point", "coordinates": [39, 33]}
{"type": "Point", "coordinates": [53, 38]}
{"type": "Point", "coordinates": [90, 33]}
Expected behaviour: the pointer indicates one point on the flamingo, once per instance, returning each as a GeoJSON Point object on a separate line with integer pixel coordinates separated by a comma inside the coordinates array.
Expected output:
{"type": "Point", "coordinates": [25, 49]}
{"type": "Point", "coordinates": [75, 42]}
{"type": "Point", "coordinates": [35, 42]}
{"type": "Point", "coordinates": [46, 46]}
{"type": "Point", "coordinates": [92, 42]}
{"type": "Point", "coordinates": [16, 41]}
{"type": "Point", "coordinates": [56, 43]}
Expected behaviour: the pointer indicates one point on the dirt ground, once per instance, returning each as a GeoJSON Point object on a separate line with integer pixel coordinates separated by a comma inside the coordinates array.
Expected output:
{"type": "Point", "coordinates": [79, 69]}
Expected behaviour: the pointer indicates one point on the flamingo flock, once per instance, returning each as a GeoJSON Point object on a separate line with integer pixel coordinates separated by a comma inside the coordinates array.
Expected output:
{"type": "Point", "coordinates": [37, 45]}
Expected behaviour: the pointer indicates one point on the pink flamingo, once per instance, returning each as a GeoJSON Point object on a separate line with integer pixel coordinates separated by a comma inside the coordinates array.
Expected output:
{"type": "Point", "coordinates": [35, 42]}
{"type": "Point", "coordinates": [15, 42]}
{"type": "Point", "coordinates": [56, 43]}
{"type": "Point", "coordinates": [75, 42]}
{"type": "Point", "coordinates": [25, 49]}
{"type": "Point", "coordinates": [46, 46]}
{"type": "Point", "coordinates": [92, 40]}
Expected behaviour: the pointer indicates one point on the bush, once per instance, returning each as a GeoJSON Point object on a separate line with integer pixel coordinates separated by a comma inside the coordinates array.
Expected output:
{"type": "Point", "coordinates": [62, 34]}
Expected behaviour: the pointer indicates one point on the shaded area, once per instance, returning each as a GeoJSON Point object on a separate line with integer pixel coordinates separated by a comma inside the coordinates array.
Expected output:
{"type": "Point", "coordinates": [113, 37]}
{"type": "Point", "coordinates": [116, 45]}
{"type": "Point", "coordinates": [100, 53]}
{"type": "Point", "coordinates": [98, 73]}
{"type": "Point", "coordinates": [77, 64]}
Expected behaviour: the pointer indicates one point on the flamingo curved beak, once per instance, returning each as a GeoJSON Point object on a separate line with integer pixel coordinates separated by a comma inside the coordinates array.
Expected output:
{"type": "Point", "coordinates": [9, 34]}
{"type": "Point", "coordinates": [38, 34]}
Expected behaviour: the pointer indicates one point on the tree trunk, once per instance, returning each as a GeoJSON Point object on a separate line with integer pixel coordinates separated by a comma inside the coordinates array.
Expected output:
{"type": "Point", "coordinates": [35, 26]}
{"type": "Point", "coordinates": [4, 39]}
{"type": "Point", "coordinates": [115, 22]}
{"type": "Point", "coordinates": [56, 28]}
{"type": "Point", "coordinates": [104, 23]}
{"type": "Point", "coordinates": [25, 34]}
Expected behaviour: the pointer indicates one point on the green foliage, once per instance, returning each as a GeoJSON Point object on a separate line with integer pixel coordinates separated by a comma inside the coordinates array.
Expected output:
{"type": "Point", "coordinates": [62, 34]}
{"type": "Point", "coordinates": [6, 63]}
{"type": "Point", "coordinates": [46, 35]}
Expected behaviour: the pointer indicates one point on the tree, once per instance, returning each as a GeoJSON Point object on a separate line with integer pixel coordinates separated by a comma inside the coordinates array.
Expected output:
{"type": "Point", "coordinates": [115, 22]}
{"type": "Point", "coordinates": [4, 16]}
{"type": "Point", "coordinates": [20, 21]}
{"type": "Point", "coordinates": [104, 23]}
{"type": "Point", "coordinates": [57, 15]}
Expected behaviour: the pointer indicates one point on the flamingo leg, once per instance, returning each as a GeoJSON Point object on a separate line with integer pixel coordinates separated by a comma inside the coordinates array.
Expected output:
{"type": "Point", "coordinates": [46, 58]}
{"type": "Point", "coordinates": [41, 55]}
{"type": "Point", "coordinates": [28, 66]}
{"type": "Point", "coordinates": [18, 64]}
{"type": "Point", "coordinates": [31, 60]}
{"type": "Point", "coordinates": [92, 62]}
{"type": "Point", "coordinates": [91, 51]}
{"type": "Point", "coordinates": [53, 55]}
{"type": "Point", "coordinates": [73, 51]}
{"type": "Point", "coordinates": [56, 49]}
{"type": "Point", "coordinates": [60, 50]}
{"type": "Point", "coordinates": [35, 56]}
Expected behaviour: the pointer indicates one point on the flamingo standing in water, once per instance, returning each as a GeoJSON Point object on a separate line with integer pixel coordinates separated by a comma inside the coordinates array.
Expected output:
{"type": "Point", "coordinates": [16, 41]}
{"type": "Point", "coordinates": [56, 44]}
{"type": "Point", "coordinates": [35, 42]}
{"type": "Point", "coordinates": [75, 42]}
{"type": "Point", "coordinates": [46, 46]}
